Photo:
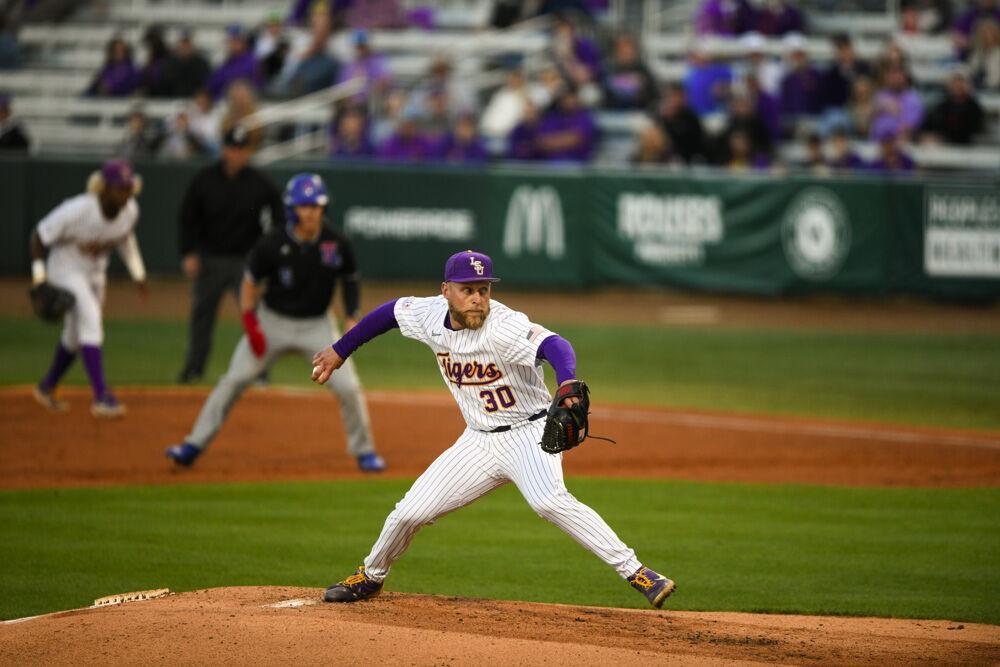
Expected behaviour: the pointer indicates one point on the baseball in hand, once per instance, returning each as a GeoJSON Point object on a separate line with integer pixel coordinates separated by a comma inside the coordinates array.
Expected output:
{"type": "Point", "coordinates": [316, 369]}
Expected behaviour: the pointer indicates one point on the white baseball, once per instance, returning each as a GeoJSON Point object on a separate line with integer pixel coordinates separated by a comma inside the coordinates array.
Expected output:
{"type": "Point", "coordinates": [316, 370]}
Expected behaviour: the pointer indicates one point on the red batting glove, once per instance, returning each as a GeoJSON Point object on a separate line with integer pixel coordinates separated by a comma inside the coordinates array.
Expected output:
{"type": "Point", "coordinates": [258, 343]}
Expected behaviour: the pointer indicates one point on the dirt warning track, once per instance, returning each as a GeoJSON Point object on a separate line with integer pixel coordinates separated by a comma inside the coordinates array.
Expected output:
{"type": "Point", "coordinates": [279, 434]}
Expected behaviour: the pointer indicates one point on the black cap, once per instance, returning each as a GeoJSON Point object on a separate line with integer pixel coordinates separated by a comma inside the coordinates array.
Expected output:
{"type": "Point", "coordinates": [237, 136]}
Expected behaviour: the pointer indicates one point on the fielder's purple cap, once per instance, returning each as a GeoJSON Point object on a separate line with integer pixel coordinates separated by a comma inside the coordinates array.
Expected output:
{"type": "Point", "coordinates": [469, 266]}
{"type": "Point", "coordinates": [118, 173]}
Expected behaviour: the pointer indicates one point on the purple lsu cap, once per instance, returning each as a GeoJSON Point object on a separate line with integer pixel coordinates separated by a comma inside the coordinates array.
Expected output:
{"type": "Point", "coordinates": [118, 173]}
{"type": "Point", "coordinates": [469, 266]}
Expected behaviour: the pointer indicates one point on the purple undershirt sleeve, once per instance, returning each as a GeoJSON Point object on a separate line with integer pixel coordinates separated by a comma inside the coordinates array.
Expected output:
{"type": "Point", "coordinates": [559, 353]}
{"type": "Point", "coordinates": [371, 325]}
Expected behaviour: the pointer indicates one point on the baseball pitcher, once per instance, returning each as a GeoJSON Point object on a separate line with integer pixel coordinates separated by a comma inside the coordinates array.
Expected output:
{"type": "Point", "coordinates": [79, 236]}
{"type": "Point", "coordinates": [490, 358]}
{"type": "Point", "coordinates": [295, 270]}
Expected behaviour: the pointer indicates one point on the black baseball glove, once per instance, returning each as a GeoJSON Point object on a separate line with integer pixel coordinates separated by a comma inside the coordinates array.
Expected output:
{"type": "Point", "coordinates": [49, 302]}
{"type": "Point", "coordinates": [565, 428]}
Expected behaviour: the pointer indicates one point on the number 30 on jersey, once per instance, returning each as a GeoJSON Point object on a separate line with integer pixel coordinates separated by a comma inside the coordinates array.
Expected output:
{"type": "Point", "coordinates": [496, 399]}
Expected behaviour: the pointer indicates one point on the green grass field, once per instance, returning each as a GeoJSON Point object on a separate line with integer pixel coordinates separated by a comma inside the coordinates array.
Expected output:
{"type": "Point", "coordinates": [777, 548]}
{"type": "Point", "coordinates": [929, 553]}
{"type": "Point", "coordinates": [922, 379]}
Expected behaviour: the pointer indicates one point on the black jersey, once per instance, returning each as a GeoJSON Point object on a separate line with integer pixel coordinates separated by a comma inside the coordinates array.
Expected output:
{"type": "Point", "coordinates": [301, 277]}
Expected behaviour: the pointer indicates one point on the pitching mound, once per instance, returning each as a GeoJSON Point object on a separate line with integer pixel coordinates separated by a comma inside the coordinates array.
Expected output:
{"type": "Point", "coordinates": [296, 434]}
{"type": "Point", "coordinates": [241, 625]}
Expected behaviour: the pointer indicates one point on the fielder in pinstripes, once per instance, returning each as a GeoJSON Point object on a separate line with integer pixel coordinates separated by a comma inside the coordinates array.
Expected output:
{"type": "Point", "coordinates": [490, 358]}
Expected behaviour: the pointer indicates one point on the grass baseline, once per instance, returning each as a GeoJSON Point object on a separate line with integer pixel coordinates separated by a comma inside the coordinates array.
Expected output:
{"type": "Point", "coordinates": [912, 553]}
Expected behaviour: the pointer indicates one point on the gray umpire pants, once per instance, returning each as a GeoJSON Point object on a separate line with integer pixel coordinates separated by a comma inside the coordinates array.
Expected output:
{"type": "Point", "coordinates": [218, 274]}
{"type": "Point", "coordinates": [284, 334]}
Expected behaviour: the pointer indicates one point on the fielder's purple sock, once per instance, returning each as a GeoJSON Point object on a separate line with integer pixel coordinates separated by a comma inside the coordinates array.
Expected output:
{"type": "Point", "coordinates": [95, 370]}
{"type": "Point", "coordinates": [61, 362]}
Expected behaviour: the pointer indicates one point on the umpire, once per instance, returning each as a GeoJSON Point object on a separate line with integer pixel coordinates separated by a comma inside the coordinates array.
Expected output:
{"type": "Point", "coordinates": [294, 270]}
{"type": "Point", "coordinates": [226, 208]}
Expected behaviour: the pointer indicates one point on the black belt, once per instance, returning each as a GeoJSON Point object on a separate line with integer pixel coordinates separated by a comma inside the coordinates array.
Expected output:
{"type": "Point", "coordinates": [501, 429]}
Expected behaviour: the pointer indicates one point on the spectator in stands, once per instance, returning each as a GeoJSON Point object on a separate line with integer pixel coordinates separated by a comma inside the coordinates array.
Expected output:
{"type": "Point", "coordinates": [546, 88]}
{"type": "Point", "coordinates": [195, 129]}
{"type": "Point", "coordinates": [316, 68]}
{"type": "Point", "coordinates": [814, 161]}
{"type": "Point", "coordinates": [802, 87]}
{"type": "Point", "coordinates": [461, 96]}
{"type": "Point", "coordinates": [760, 65]}
{"type": "Point", "coordinates": [12, 135]}
{"type": "Point", "coordinates": [957, 118]}
{"type": "Point", "coordinates": [350, 140]}
{"type": "Point", "coordinates": [766, 106]}
{"type": "Point", "coordinates": [407, 144]}
{"type": "Point", "coordinates": [271, 47]}
{"type": "Point", "coordinates": [897, 104]}
{"type": "Point", "coordinates": [724, 17]}
{"type": "Point", "coordinates": [150, 77]}
{"type": "Point", "coordinates": [239, 64]}
{"type": "Point", "coordinates": [369, 66]}
{"type": "Point", "coordinates": [966, 25]}
{"type": "Point", "coordinates": [740, 156]}
{"type": "Point", "coordinates": [681, 124]}
{"type": "Point", "coordinates": [577, 57]}
{"type": "Point", "coordinates": [744, 119]}
{"type": "Point", "coordinates": [930, 17]}
{"type": "Point", "coordinates": [463, 145]}
{"type": "Point", "coordinates": [862, 106]}
{"type": "Point", "coordinates": [567, 131]}
{"type": "Point", "coordinates": [706, 82]}
{"type": "Point", "coordinates": [435, 116]}
{"type": "Point", "coordinates": [653, 146]}
{"type": "Point", "coordinates": [628, 83]}
{"type": "Point", "coordinates": [241, 102]}
{"type": "Point", "coordinates": [838, 80]}
{"type": "Point", "coordinates": [985, 60]}
{"type": "Point", "coordinates": [891, 157]}
{"type": "Point", "coordinates": [522, 143]}
{"type": "Point", "coordinates": [117, 77]}
{"type": "Point", "coordinates": [844, 158]}
{"type": "Point", "coordinates": [506, 107]}
{"type": "Point", "coordinates": [142, 139]}
{"type": "Point", "coordinates": [10, 55]}
{"type": "Point", "coordinates": [187, 71]}
{"type": "Point", "coordinates": [779, 18]}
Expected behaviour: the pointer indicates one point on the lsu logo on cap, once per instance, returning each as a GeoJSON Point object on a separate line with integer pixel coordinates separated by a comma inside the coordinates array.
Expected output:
{"type": "Point", "coordinates": [477, 265]}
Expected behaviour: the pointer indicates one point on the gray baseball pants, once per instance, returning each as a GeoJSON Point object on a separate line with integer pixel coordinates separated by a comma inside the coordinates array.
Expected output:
{"type": "Point", "coordinates": [284, 334]}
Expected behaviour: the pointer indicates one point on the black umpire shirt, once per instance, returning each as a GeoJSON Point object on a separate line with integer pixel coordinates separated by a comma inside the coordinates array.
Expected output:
{"type": "Point", "coordinates": [223, 216]}
{"type": "Point", "coordinates": [301, 277]}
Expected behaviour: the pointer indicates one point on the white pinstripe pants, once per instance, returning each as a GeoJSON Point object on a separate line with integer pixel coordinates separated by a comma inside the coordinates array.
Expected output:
{"type": "Point", "coordinates": [475, 465]}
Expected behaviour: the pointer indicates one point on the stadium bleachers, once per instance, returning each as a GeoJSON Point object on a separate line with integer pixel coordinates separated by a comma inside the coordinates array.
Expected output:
{"type": "Point", "coordinates": [62, 60]}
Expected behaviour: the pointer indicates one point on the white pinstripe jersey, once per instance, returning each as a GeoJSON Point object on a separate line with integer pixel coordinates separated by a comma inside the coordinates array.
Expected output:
{"type": "Point", "coordinates": [492, 372]}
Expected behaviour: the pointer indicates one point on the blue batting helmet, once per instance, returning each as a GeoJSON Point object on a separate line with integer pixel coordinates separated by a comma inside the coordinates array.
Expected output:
{"type": "Point", "coordinates": [304, 190]}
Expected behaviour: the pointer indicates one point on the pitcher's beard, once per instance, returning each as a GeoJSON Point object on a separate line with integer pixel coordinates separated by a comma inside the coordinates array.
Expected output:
{"type": "Point", "coordinates": [470, 319]}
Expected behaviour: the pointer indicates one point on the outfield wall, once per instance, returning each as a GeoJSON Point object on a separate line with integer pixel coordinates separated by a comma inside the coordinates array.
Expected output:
{"type": "Point", "coordinates": [572, 228]}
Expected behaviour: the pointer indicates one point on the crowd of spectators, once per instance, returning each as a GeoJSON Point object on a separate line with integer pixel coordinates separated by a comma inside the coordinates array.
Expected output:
{"type": "Point", "coordinates": [733, 113]}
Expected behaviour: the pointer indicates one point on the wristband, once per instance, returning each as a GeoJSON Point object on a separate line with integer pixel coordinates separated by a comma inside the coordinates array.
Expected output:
{"type": "Point", "coordinates": [37, 271]}
{"type": "Point", "coordinates": [250, 322]}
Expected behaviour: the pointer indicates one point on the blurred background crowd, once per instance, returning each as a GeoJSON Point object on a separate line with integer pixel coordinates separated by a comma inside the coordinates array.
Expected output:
{"type": "Point", "coordinates": [749, 88]}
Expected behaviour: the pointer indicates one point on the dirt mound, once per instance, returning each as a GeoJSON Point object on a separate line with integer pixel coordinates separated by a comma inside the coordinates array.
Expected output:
{"type": "Point", "coordinates": [261, 442]}
{"type": "Point", "coordinates": [241, 625]}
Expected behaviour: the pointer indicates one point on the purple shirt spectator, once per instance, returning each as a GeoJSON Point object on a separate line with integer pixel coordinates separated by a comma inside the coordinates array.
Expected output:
{"type": "Point", "coordinates": [724, 17]}
{"type": "Point", "coordinates": [369, 66]}
{"type": "Point", "coordinates": [801, 92]}
{"type": "Point", "coordinates": [704, 84]}
{"type": "Point", "coordinates": [849, 161]}
{"type": "Point", "coordinates": [455, 150]}
{"type": "Point", "coordinates": [900, 161]}
{"type": "Point", "coordinates": [567, 132]}
{"type": "Point", "coordinates": [986, 10]}
{"type": "Point", "coordinates": [114, 80]}
{"type": "Point", "coordinates": [407, 144]}
{"type": "Point", "coordinates": [240, 63]}
{"type": "Point", "coordinates": [780, 20]}
{"type": "Point", "coordinates": [897, 106]}
{"type": "Point", "coordinates": [522, 142]}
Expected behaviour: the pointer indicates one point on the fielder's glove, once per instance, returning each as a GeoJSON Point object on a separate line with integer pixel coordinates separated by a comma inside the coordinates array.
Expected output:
{"type": "Point", "coordinates": [49, 302]}
{"type": "Point", "coordinates": [565, 428]}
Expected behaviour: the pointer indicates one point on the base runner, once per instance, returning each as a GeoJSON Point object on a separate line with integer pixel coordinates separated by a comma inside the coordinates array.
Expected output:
{"type": "Point", "coordinates": [490, 357]}
{"type": "Point", "coordinates": [295, 269]}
